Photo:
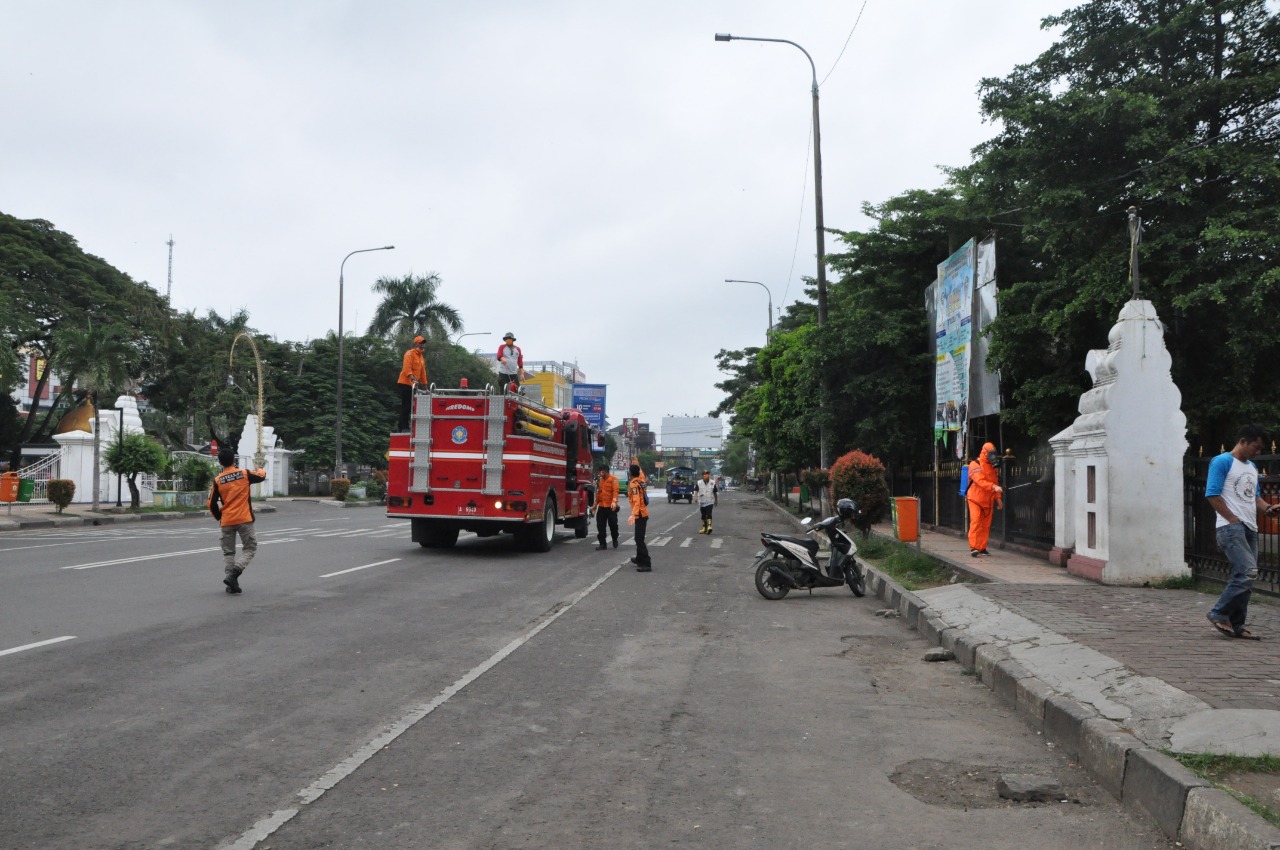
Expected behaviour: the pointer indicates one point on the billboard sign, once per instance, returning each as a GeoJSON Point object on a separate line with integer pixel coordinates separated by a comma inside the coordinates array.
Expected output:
{"type": "Point", "coordinates": [589, 398]}
{"type": "Point", "coordinates": [691, 432]}
{"type": "Point", "coordinates": [953, 333]}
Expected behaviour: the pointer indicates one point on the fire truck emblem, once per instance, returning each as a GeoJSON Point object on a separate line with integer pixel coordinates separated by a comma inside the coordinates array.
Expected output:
{"type": "Point", "coordinates": [459, 435]}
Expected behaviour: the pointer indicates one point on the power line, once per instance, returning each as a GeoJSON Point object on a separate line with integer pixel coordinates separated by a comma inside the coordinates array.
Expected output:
{"type": "Point", "coordinates": [846, 43]}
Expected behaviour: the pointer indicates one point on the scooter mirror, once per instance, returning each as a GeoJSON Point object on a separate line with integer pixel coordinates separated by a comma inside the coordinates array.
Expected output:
{"type": "Point", "coordinates": [806, 520]}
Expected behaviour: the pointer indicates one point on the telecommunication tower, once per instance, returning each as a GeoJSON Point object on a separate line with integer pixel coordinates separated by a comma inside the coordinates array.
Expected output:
{"type": "Point", "coordinates": [168, 292]}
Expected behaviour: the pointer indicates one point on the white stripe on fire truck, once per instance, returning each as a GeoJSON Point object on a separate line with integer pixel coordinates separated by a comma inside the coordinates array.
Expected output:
{"type": "Point", "coordinates": [482, 456]}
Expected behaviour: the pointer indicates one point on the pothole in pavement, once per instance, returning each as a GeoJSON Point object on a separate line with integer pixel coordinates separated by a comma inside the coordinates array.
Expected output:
{"type": "Point", "coordinates": [974, 786]}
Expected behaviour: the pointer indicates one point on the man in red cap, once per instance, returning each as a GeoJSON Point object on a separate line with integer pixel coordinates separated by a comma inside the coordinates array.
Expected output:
{"type": "Point", "coordinates": [413, 372]}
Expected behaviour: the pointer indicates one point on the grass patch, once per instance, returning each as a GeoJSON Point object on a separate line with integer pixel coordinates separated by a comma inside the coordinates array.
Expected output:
{"type": "Point", "coordinates": [1180, 583]}
{"type": "Point", "coordinates": [1220, 770]}
{"type": "Point", "coordinates": [908, 566]}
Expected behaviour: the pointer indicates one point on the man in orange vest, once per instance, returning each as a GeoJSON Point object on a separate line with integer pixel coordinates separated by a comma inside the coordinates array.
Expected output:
{"type": "Point", "coordinates": [984, 492]}
{"type": "Point", "coordinates": [229, 503]}
{"type": "Point", "coordinates": [638, 496]}
{"type": "Point", "coordinates": [606, 506]}
{"type": "Point", "coordinates": [412, 373]}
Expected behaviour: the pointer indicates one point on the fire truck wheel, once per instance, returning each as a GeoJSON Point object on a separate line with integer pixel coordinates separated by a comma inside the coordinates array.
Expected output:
{"type": "Point", "coordinates": [581, 527]}
{"type": "Point", "coordinates": [540, 536]}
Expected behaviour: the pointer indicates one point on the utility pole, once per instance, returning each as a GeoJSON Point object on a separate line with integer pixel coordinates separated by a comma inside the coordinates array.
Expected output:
{"type": "Point", "coordinates": [168, 291]}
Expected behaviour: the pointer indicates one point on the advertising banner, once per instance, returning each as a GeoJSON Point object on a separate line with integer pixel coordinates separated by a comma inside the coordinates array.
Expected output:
{"type": "Point", "coordinates": [984, 389]}
{"type": "Point", "coordinates": [589, 398]}
{"type": "Point", "coordinates": [692, 432]}
{"type": "Point", "coordinates": [953, 331]}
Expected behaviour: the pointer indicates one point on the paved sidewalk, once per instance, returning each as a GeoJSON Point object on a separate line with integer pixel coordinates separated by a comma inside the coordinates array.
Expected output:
{"type": "Point", "coordinates": [1159, 633]}
{"type": "Point", "coordinates": [1115, 676]}
{"type": "Point", "coordinates": [21, 516]}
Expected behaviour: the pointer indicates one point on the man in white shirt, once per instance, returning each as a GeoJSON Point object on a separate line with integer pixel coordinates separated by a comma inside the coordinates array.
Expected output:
{"type": "Point", "coordinates": [705, 492]}
{"type": "Point", "coordinates": [1232, 491]}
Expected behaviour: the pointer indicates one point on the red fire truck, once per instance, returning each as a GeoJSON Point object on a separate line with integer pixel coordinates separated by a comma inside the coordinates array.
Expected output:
{"type": "Point", "coordinates": [490, 461]}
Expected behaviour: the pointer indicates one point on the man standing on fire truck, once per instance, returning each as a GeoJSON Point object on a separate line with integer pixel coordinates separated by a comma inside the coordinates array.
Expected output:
{"type": "Point", "coordinates": [639, 499]}
{"type": "Point", "coordinates": [412, 373]}
{"type": "Point", "coordinates": [606, 506]}
{"type": "Point", "coordinates": [510, 361]}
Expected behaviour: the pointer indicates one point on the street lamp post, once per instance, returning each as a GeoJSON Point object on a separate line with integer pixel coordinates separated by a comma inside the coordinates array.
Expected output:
{"type": "Point", "coordinates": [817, 197]}
{"type": "Point", "coordinates": [337, 426]}
{"type": "Point", "coordinates": [120, 440]}
{"type": "Point", "coordinates": [767, 292]}
{"type": "Point", "coordinates": [259, 457]}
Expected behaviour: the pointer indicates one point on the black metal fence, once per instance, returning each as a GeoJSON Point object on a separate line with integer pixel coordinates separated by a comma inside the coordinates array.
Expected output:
{"type": "Point", "coordinates": [1027, 519]}
{"type": "Point", "coordinates": [1027, 516]}
{"type": "Point", "coordinates": [1201, 544]}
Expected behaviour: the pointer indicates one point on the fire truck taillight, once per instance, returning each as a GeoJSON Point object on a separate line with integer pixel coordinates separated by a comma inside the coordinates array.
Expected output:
{"type": "Point", "coordinates": [395, 501]}
{"type": "Point", "coordinates": [497, 506]}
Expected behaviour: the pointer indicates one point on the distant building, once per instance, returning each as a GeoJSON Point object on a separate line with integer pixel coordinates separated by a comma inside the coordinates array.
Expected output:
{"type": "Point", "coordinates": [24, 394]}
{"type": "Point", "coordinates": [554, 381]}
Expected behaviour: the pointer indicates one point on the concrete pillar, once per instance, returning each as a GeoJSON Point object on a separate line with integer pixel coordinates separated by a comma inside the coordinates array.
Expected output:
{"type": "Point", "coordinates": [1119, 491]}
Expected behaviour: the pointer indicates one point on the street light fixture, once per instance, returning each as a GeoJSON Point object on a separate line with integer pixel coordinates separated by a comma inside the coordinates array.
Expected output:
{"type": "Point", "coordinates": [337, 427]}
{"type": "Point", "coordinates": [476, 333]}
{"type": "Point", "coordinates": [767, 291]}
{"type": "Point", "coordinates": [817, 197]}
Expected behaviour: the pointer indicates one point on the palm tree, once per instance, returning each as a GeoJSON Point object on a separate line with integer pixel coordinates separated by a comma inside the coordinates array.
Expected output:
{"type": "Point", "coordinates": [96, 362]}
{"type": "Point", "coordinates": [409, 308]}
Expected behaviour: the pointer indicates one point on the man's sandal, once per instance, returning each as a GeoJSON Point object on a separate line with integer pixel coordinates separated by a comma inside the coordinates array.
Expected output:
{"type": "Point", "coordinates": [1223, 629]}
{"type": "Point", "coordinates": [1247, 635]}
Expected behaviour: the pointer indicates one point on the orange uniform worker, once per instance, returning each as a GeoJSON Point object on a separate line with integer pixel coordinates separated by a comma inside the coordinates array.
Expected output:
{"type": "Point", "coordinates": [606, 506]}
{"type": "Point", "coordinates": [413, 372]}
{"type": "Point", "coordinates": [229, 503]}
{"type": "Point", "coordinates": [983, 494]}
{"type": "Point", "coordinates": [637, 495]}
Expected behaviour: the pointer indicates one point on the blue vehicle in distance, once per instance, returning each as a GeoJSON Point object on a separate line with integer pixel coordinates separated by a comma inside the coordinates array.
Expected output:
{"type": "Point", "coordinates": [680, 481]}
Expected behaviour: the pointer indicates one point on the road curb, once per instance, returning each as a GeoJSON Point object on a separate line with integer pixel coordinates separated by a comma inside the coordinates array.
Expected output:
{"type": "Point", "coordinates": [1185, 807]}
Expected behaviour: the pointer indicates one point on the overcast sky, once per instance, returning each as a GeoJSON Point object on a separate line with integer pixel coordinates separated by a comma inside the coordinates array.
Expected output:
{"type": "Point", "coordinates": [585, 174]}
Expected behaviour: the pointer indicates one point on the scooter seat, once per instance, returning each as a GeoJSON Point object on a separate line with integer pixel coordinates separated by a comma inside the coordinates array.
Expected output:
{"type": "Point", "coordinates": [807, 542]}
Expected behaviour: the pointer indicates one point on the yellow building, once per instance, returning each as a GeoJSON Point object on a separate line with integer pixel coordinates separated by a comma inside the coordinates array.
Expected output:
{"type": "Point", "coordinates": [554, 381]}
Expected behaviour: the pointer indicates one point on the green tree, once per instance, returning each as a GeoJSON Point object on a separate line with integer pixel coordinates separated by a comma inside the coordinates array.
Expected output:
{"type": "Point", "coordinates": [410, 307]}
{"type": "Point", "coordinates": [877, 339]}
{"type": "Point", "coordinates": [1170, 108]}
{"type": "Point", "coordinates": [134, 454]}
{"type": "Point", "coordinates": [100, 359]}
{"type": "Point", "coordinates": [49, 285]}
{"type": "Point", "coordinates": [743, 370]}
{"type": "Point", "coordinates": [302, 408]}
{"type": "Point", "coordinates": [736, 457]}
{"type": "Point", "coordinates": [190, 381]}
{"type": "Point", "coordinates": [448, 364]}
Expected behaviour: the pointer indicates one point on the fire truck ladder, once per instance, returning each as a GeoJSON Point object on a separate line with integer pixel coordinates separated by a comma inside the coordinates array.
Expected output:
{"type": "Point", "coordinates": [420, 439]}
{"type": "Point", "coordinates": [494, 442]}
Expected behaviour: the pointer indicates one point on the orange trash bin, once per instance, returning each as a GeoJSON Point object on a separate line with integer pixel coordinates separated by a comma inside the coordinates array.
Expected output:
{"type": "Point", "coordinates": [9, 487]}
{"type": "Point", "coordinates": [906, 518]}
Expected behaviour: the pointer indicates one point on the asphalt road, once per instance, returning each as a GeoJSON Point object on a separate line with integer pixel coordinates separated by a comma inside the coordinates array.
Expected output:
{"type": "Point", "coordinates": [365, 692]}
